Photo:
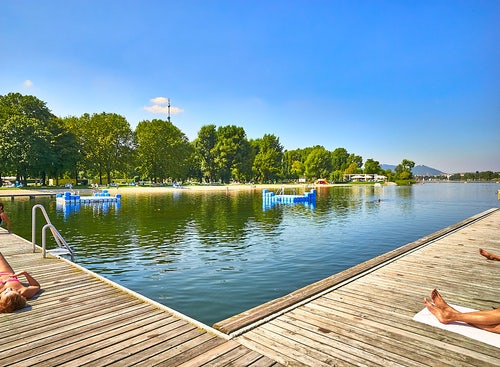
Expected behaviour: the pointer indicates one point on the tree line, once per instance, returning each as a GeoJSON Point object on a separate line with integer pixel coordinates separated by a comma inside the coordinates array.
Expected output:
{"type": "Point", "coordinates": [36, 144]}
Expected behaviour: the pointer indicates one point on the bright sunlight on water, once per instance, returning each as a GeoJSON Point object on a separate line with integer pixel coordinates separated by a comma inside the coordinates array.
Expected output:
{"type": "Point", "coordinates": [211, 255]}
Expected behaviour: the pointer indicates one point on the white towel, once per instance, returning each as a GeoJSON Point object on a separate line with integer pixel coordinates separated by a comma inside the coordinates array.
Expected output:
{"type": "Point", "coordinates": [488, 337]}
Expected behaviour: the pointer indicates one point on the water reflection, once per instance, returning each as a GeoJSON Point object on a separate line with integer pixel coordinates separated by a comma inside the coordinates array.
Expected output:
{"type": "Point", "coordinates": [98, 208]}
{"type": "Point", "coordinates": [211, 255]}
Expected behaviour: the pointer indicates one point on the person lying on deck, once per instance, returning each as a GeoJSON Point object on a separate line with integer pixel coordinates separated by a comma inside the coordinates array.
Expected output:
{"type": "Point", "coordinates": [13, 294]}
{"type": "Point", "coordinates": [488, 320]}
{"type": "Point", "coordinates": [489, 255]}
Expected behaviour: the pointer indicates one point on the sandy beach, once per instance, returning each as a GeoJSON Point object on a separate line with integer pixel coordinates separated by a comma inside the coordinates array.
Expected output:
{"type": "Point", "coordinates": [128, 190]}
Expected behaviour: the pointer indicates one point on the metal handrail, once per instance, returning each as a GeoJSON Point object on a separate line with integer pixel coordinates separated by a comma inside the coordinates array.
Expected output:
{"type": "Point", "coordinates": [64, 248]}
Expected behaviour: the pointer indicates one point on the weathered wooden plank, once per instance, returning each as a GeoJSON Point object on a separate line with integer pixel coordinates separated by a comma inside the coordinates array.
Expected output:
{"type": "Point", "coordinates": [253, 359]}
{"type": "Point", "coordinates": [287, 351]}
{"type": "Point", "coordinates": [220, 356]}
{"type": "Point", "coordinates": [391, 343]}
{"type": "Point", "coordinates": [177, 353]}
{"type": "Point", "coordinates": [234, 323]}
{"type": "Point", "coordinates": [365, 320]}
{"type": "Point", "coordinates": [371, 317]}
{"type": "Point", "coordinates": [368, 336]}
{"type": "Point", "coordinates": [325, 347]}
{"type": "Point", "coordinates": [173, 344]}
{"type": "Point", "coordinates": [113, 349]}
{"type": "Point", "coordinates": [61, 332]}
{"type": "Point", "coordinates": [80, 319]}
{"type": "Point", "coordinates": [89, 342]}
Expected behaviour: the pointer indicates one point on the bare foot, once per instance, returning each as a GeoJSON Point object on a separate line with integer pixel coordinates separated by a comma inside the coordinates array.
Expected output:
{"type": "Point", "coordinates": [487, 255]}
{"type": "Point", "coordinates": [438, 300]}
{"type": "Point", "coordinates": [439, 308]}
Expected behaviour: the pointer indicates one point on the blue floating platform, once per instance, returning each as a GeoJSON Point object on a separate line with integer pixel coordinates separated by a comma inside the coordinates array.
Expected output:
{"type": "Point", "coordinates": [269, 198]}
{"type": "Point", "coordinates": [98, 197]}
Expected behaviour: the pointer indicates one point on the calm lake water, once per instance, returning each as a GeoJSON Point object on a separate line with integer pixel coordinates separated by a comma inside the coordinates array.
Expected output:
{"type": "Point", "coordinates": [213, 255]}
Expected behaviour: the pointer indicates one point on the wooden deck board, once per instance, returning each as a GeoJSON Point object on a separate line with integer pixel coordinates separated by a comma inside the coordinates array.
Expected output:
{"type": "Point", "coordinates": [173, 345]}
{"type": "Point", "coordinates": [260, 312]}
{"type": "Point", "coordinates": [82, 319]}
{"type": "Point", "coordinates": [369, 320]}
{"type": "Point", "coordinates": [371, 327]}
{"type": "Point", "coordinates": [364, 335]}
{"type": "Point", "coordinates": [183, 352]}
{"type": "Point", "coordinates": [360, 317]}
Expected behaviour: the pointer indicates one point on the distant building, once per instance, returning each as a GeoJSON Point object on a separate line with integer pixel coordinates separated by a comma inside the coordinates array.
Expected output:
{"type": "Point", "coordinates": [362, 177]}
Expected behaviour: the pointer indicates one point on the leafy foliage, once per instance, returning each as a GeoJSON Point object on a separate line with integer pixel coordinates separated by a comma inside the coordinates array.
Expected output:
{"type": "Point", "coordinates": [34, 143]}
{"type": "Point", "coordinates": [403, 170]}
{"type": "Point", "coordinates": [268, 159]}
{"type": "Point", "coordinates": [162, 150]}
{"type": "Point", "coordinates": [232, 152]}
{"type": "Point", "coordinates": [318, 163]}
{"type": "Point", "coordinates": [204, 147]}
{"type": "Point", "coordinates": [25, 136]}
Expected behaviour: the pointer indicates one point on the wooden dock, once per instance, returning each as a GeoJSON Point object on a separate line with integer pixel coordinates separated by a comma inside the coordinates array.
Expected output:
{"type": "Point", "coordinates": [82, 319]}
{"type": "Point", "coordinates": [33, 194]}
{"type": "Point", "coordinates": [30, 195]}
{"type": "Point", "coordinates": [364, 316]}
{"type": "Point", "coordinates": [360, 317]}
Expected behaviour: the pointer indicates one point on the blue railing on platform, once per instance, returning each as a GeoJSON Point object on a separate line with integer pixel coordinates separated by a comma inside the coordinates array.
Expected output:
{"type": "Point", "coordinates": [270, 199]}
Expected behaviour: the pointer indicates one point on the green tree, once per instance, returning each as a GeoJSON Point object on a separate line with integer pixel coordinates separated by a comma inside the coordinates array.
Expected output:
{"type": "Point", "coordinates": [28, 106]}
{"type": "Point", "coordinates": [162, 150]}
{"type": "Point", "coordinates": [293, 163]}
{"type": "Point", "coordinates": [340, 159]}
{"type": "Point", "coordinates": [372, 167]}
{"type": "Point", "coordinates": [25, 140]}
{"type": "Point", "coordinates": [353, 158]}
{"type": "Point", "coordinates": [318, 163]}
{"type": "Point", "coordinates": [204, 146]}
{"type": "Point", "coordinates": [298, 169]}
{"type": "Point", "coordinates": [403, 170]}
{"type": "Point", "coordinates": [76, 126]}
{"type": "Point", "coordinates": [233, 154]}
{"type": "Point", "coordinates": [66, 149]}
{"type": "Point", "coordinates": [107, 143]}
{"type": "Point", "coordinates": [342, 163]}
{"type": "Point", "coordinates": [389, 174]}
{"type": "Point", "coordinates": [194, 165]}
{"type": "Point", "coordinates": [24, 147]}
{"type": "Point", "coordinates": [353, 168]}
{"type": "Point", "coordinates": [268, 159]}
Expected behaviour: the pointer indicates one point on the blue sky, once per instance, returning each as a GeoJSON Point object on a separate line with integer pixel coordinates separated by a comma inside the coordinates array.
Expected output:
{"type": "Point", "coordinates": [387, 80]}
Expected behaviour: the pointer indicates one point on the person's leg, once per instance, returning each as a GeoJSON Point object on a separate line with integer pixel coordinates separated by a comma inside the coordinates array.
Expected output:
{"type": "Point", "coordinates": [5, 266]}
{"type": "Point", "coordinates": [439, 308]}
{"type": "Point", "coordinates": [486, 319]}
{"type": "Point", "coordinates": [489, 255]}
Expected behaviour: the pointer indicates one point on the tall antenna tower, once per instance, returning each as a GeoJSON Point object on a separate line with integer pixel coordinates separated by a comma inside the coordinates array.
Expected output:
{"type": "Point", "coordinates": [168, 105]}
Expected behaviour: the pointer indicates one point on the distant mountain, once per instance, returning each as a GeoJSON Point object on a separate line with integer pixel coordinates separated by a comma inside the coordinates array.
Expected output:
{"type": "Point", "coordinates": [426, 171]}
{"type": "Point", "coordinates": [419, 170]}
{"type": "Point", "coordinates": [388, 166]}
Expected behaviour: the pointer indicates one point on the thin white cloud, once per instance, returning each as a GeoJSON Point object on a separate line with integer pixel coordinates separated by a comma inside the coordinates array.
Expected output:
{"type": "Point", "coordinates": [28, 83]}
{"type": "Point", "coordinates": [159, 100]}
{"type": "Point", "coordinates": [160, 106]}
{"type": "Point", "coordinates": [163, 109]}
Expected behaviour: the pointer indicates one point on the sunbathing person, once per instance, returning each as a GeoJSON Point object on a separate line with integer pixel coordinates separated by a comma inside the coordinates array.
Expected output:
{"type": "Point", "coordinates": [4, 218]}
{"type": "Point", "coordinates": [489, 255]}
{"type": "Point", "coordinates": [13, 294]}
{"type": "Point", "coordinates": [488, 320]}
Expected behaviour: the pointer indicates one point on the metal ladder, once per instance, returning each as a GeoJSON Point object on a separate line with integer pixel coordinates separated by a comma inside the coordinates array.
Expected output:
{"type": "Point", "coordinates": [63, 247]}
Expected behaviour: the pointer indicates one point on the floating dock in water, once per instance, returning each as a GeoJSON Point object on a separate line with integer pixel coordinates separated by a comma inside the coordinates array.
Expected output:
{"type": "Point", "coordinates": [98, 197]}
{"type": "Point", "coordinates": [269, 198]}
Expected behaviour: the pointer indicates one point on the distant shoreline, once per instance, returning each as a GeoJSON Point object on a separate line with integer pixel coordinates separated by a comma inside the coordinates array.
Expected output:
{"type": "Point", "coordinates": [124, 190]}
